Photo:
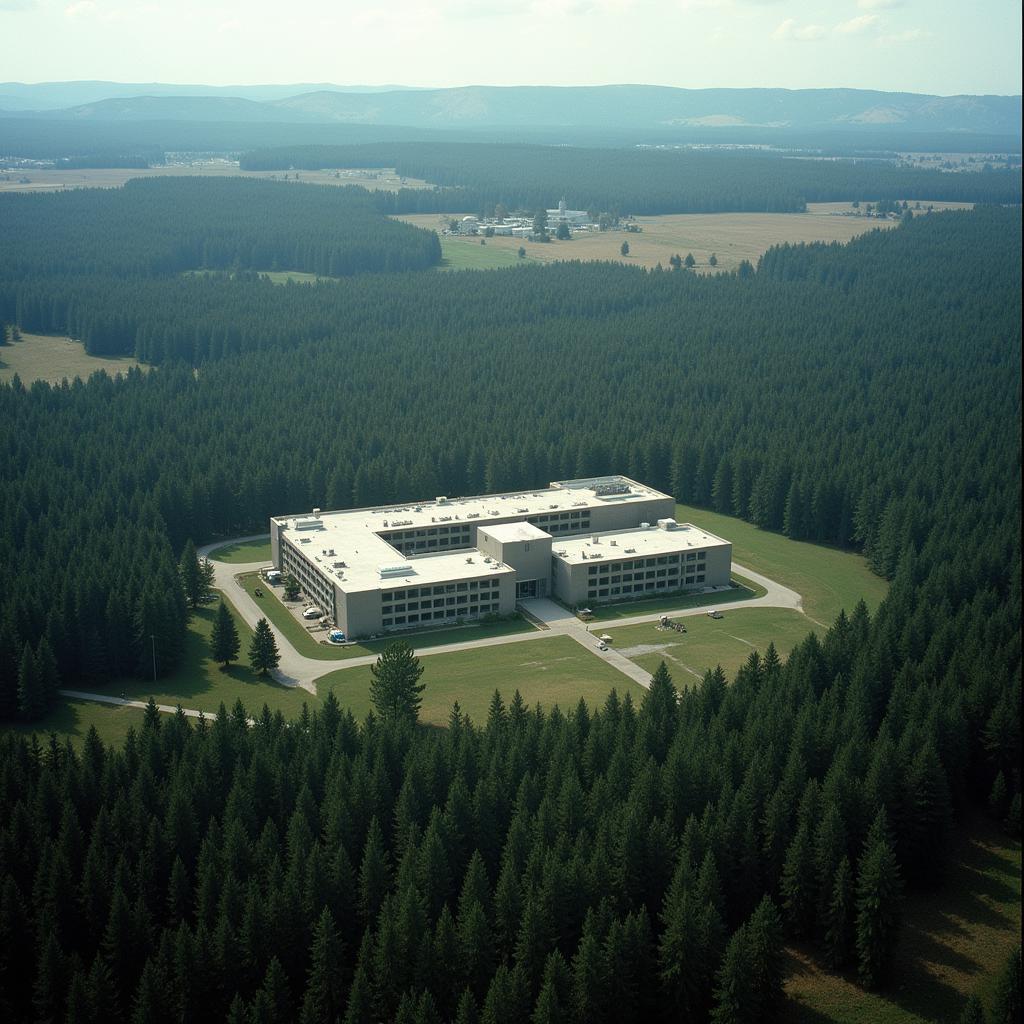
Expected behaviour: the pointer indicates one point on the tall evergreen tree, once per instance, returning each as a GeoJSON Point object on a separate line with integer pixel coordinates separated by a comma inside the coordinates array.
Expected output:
{"type": "Point", "coordinates": [191, 574]}
{"type": "Point", "coordinates": [263, 652]}
{"type": "Point", "coordinates": [224, 642]}
{"type": "Point", "coordinates": [879, 906]}
{"type": "Point", "coordinates": [395, 688]}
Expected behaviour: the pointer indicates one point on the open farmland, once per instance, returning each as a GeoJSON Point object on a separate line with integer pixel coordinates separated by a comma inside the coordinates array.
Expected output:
{"type": "Point", "coordinates": [54, 179]}
{"type": "Point", "coordinates": [732, 237]}
{"type": "Point", "coordinates": [53, 359]}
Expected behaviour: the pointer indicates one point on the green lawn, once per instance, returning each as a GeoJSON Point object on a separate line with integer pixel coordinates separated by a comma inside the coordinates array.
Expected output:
{"type": "Point", "coordinates": [200, 683]}
{"type": "Point", "coordinates": [555, 670]}
{"type": "Point", "coordinates": [709, 642]}
{"type": "Point", "coordinates": [953, 944]}
{"type": "Point", "coordinates": [241, 554]}
{"type": "Point", "coordinates": [828, 579]}
{"type": "Point", "coordinates": [72, 718]}
{"type": "Point", "coordinates": [463, 254]}
{"type": "Point", "coordinates": [745, 590]}
{"type": "Point", "coordinates": [311, 647]}
{"type": "Point", "coordinates": [298, 276]}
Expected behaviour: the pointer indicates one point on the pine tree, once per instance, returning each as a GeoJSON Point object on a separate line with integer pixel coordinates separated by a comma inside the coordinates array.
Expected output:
{"type": "Point", "coordinates": [31, 701]}
{"type": "Point", "coordinates": [660, 709]}
{"type": "Point", "coordinates": [766, 939]}
{"type": "Point", "coordinates": [191, 575]}
{"type": "Point", "coordinates": [263, 653]}
{"type": "Point", "coordinates": [395, 688]}
{"type": "Point", "coordinates": [374, 873]}
{"type": "Point", "coordinates": [879, 902]}
{"type": "Point", "coordinates": [839, 917]}
{"type": "Point", "coordinates": [973, 1011]}
{"type": "Point", "coordinates": [799, 892]}
{"type": "Point", "coordinates": [49, 674]}
{"type": "Point", "coordinates": [735, 998]}
{"type": "Point", "coordinates": [224, 642]}
{"type": "Point", "coordinates": [325, 985]}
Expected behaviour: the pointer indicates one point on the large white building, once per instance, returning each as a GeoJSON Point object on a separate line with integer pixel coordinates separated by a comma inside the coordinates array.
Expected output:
{"type": "Point", "coordinates": [589, 541]}
{"type": "Point", "coordinates": [563, 215]}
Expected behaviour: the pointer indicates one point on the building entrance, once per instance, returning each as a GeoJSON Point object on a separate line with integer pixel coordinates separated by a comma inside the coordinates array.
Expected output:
{"type": "Point", "coordinates": [526, 589]}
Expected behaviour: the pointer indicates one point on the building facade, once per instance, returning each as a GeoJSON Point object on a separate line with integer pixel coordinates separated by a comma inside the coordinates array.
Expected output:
{"type": "Point", "coordinates": [399, 567]}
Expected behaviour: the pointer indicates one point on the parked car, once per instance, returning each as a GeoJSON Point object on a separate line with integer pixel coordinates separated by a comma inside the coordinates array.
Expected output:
{"type": "Point", "coordinates": [602, 646]}
{"type": "Point", "coordinates": [312, 613]}
{"type": "Point", "coordinates": [713, 614]}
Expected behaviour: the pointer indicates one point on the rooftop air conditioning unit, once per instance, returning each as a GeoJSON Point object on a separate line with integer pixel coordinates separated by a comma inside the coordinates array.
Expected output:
{"type": "Point", "coordinates": [316, 511]}
{"type": "Point", "coordinates": [614, 543]}
{"type": "Point", "coordinates": [441, 499]}
{"type": "Point", "coordinates": [645, 526]}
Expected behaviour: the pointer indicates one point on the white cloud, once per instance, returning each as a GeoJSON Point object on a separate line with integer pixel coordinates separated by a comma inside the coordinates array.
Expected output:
{"type": "Point", "coordinates": [859, 25]}
{"type": "Point", "coordinates": [17, 5]}
{"type": "Point", "coordinates": [911, 35]}
{"type": "Point", "coordinates": [878, 5]}
{"type": "Point", "coordinates": [789, 29]}
{"type": "Point", "coordinates": [79, 9]}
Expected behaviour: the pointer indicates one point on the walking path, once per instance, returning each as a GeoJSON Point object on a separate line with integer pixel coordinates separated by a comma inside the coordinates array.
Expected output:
{"type": "Point", "coordinates": [297, 669]}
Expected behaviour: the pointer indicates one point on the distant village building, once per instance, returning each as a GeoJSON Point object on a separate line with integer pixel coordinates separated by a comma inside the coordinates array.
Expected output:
{"type": "Point", "coordinates": [563, 215]}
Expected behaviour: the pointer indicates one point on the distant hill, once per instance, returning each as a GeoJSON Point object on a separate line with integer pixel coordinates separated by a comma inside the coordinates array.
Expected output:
{"type": "Point", "coordinates": [613, 107]}
{"type": "Point", "coordinates": [17, 96]}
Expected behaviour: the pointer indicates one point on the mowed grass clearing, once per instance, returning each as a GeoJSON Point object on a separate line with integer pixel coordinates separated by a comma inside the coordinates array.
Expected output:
{"type": "Point", "coordinates": [244, 553]}
{"type": "Point", "coordinates": [309, 645]}
{"type": "Point", "coordinates": [555, 670]}
{"type": "Point", "coordinates": [71, 719]}
{"type": "Point", "coordinates": [953, 944]}
{"type": "Point", "coordinates": [732, 237]}
{"type": "Point", "coordinates": [469, 254]}
{"type": "Point", "coordinates": [709, 642]}
{"type": "Point", "coordinates": [200, 683]}
{"type": "Point", "coordinates": [53, 358]}
{"type": "Point", "coordinates": [826, 578]}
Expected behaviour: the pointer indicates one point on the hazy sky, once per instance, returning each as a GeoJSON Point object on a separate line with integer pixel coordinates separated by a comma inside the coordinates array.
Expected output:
{"type": "Point", "coordinates": [934, 46]}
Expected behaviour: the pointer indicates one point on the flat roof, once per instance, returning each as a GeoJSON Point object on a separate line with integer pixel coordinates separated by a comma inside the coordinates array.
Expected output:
{"type": "Point", "coordinates": [507, 533]}
{"type": "Point", "coordinates": [638, 543]}
{"type": "Point", "coordinates": [346, 544]}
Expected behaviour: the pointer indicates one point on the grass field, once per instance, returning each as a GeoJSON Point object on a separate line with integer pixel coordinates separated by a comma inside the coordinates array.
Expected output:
{"type": "Point", "coordinates": [311, 647]}
{"type": "Point", "coordinates": [732, 237]}
{"type": "Point", "coordinates": [744, 590]}
{"type": "Point", "coordinates": [953, 944]}
{"type": "Point", "coordinates": [52, 358]}
{"type": "Point", "coordinates": [709, 642]}
{"type": "Point", "coordinates": [200, 683]}
{"type": "Point", "coordinates": [555, 670]}
{"type": "Point", "coordinates": [469, 254]}
{"type": "Point", "coordinates": [72, 718]}
{"type": "Point", "coordinates": [114, 177]}
{"type": "Point", "coordinates": [243, 554]}
{"type": "Point", "coordinates": [827, 579]}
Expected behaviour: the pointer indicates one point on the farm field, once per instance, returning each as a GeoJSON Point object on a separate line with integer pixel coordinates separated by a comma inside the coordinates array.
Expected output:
{"type": "Point", "coordinates": [555, 670]}
{"type": "Point", "coordinates": [733, 237]}
{"type": "Point", "coordinates": [52, 358]}
{"type": "Point", "coordinates": [828, 579]}
{"type": "Point", "coordinates": [709, 642]}
{"type": "Point", "coordinates": [305, 644]}
{"type": "Point", "coordinates": [72, 718]}
{"type": "Point", "coordinates": [953, 944]}
{"type": "Point", "coordinates": [51, 180]}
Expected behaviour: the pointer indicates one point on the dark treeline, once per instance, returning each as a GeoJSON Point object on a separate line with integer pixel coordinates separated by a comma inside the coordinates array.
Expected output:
{"type": "Point", "coordinates": [633, 181]}
{"type": "Point", "coordinates": [167, 225]}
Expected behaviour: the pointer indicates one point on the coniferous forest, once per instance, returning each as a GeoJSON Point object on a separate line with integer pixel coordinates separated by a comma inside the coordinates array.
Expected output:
{"type": "Point", "coordinates": [615, 863]}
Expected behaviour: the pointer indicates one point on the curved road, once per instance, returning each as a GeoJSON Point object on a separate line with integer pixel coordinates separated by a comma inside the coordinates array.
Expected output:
{"type": "Point", "coordinates": [296, 669]}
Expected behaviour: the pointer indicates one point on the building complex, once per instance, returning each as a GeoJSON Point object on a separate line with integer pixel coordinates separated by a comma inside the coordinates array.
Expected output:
{"type": "Point", "coordinates": [396, 567]}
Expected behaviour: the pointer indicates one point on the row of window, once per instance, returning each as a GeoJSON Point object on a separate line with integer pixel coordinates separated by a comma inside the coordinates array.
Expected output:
{"type": "Point", "coordinates": [472, 611]}
{"type": "Point", "coordinates": [638, 588]}
{"type": "Point", "coordinates": [390, 596]}
{"type": "Point", "coordinates": [311, 581]}
{"type": "Point", "coordinates": [699, 558]}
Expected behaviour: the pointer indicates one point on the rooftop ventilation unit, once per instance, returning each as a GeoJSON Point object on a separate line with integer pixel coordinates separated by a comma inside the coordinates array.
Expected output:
{"type": "Point", "coordinates": [630, 551]}
{"type": "Point", "coordinates": [398, 569]}
{"type": "Point", "coordinates": [441, 499]}
{"type": "Point", "coordinates": [645, 526]}
{"type": "Point", "coordinates": [606, 490]}
{"type": "Point", "coordinates": [667, 524]}
{"type": "Point", "coordinates": [316, 511]}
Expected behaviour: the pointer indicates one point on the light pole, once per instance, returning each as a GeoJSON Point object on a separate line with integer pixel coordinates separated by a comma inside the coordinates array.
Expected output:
{"type": "Point", "coordinates": [153, 640]}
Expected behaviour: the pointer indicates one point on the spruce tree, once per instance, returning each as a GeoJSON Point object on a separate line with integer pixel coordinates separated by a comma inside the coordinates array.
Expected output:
{"type": "Point", "coordinates": [263, 653]}
{"type": "Point", "coordinates": [191, 575]}
{"type": "Point", "coordinates": [879, 903]}
{"type": "Point", "coordinates": [766, 941]}
{"type": "Point", "coordinates": [839, 917]}
{"type": "Point", "coordinates": [973, 1011]}
{"type": "Point", "coordinates": [31, 702]}
{"type": "Point", "coordinates": [325, 983]}
{"type": "Point", "coordinates": [224, 642]}
{"type": "Point", "coordinates": [395, 688]}
{"type": "Point", "coordinates": [1006, 1001]}
{"type": "Point", "coordinates": [735, 998]}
